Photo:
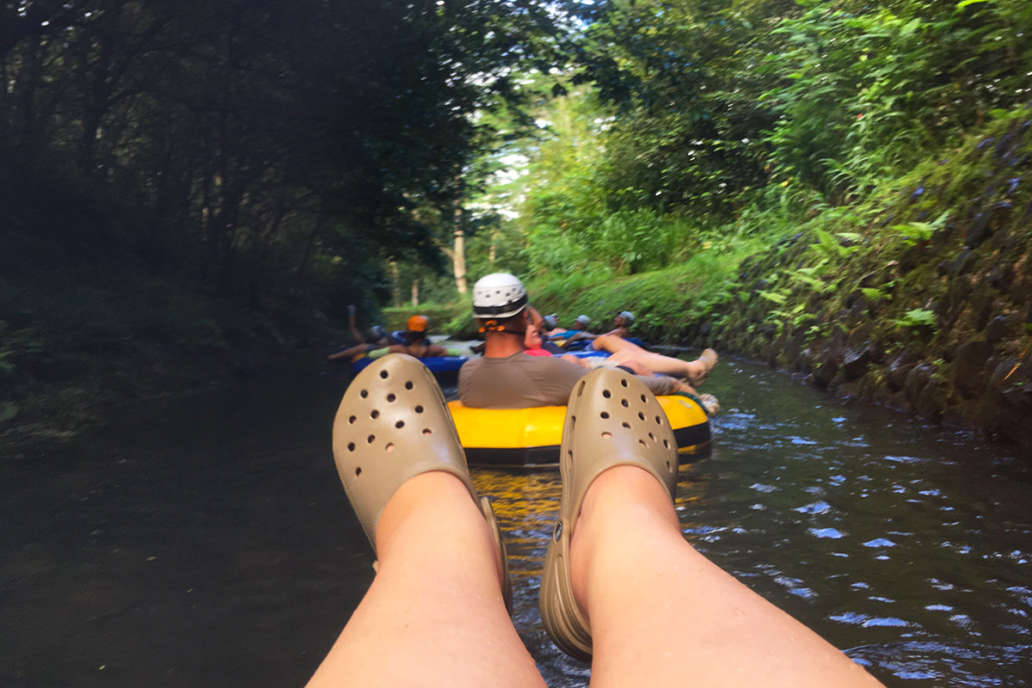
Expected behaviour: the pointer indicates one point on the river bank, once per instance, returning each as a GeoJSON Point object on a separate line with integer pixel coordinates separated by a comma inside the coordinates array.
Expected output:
{"type": "Point", "coordinates": [919, 298]}
{"type": "Point", "coordinates": [81, 339]}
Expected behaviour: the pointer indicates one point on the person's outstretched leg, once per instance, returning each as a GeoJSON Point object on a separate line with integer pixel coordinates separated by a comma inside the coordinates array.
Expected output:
{"type": "Point", "coordinates": [663, 614]}
{"type": "Point", "coordinates": [621, 586]}
{"type": "Point", "coordinates": [623, 351]}
{"type": "Point", "coordinates": [434, 614]}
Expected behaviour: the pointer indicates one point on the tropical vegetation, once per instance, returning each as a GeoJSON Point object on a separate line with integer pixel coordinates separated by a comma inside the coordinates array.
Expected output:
{"type": "Point", "coordinates": [192, 178]}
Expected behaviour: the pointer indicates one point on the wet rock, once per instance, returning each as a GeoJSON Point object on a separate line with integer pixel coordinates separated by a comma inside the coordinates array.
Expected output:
{"type": "Point", "coordinates": [998, 329]}
{"type": "Point", "coordinates": [963, 262]}
{"type": "Point", "coordinates": [983, 312]}
{"type": "Point", "coordinates": [945, 232]}
{"type": "Point", "coordinates": [978, 230]}
{"type": "Point", "coordinates": [911, 258]}
{"type": "Point", "coordinates": [854, 363]}
{"type": "Point", "coordinates": [985, 222]}
{"type": "Point", "coordinates": [933, 400]}
{"type": "Point", "coordinates": [896, 373]}
{"type": "Point", "coordinates": [916, 380]}
{"type": "Point", "coordinates": [969, 367]}
{"type": "Point", "coordinates": [804, 363]}
{"type": "Point", "coordinates": [1013, 379]}
{"type": "Point", "coordinates": [826, 367]}
{"type": "Point", "coordinates": [1000, 277]}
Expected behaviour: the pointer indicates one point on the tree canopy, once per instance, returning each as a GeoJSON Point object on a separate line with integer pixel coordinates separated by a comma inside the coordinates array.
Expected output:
{"type": "Point", "coordinates": [248, 142]}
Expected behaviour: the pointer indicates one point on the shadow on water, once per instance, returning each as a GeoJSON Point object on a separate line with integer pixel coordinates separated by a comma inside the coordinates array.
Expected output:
{"type": "Point", "coordinates": [206, 540]}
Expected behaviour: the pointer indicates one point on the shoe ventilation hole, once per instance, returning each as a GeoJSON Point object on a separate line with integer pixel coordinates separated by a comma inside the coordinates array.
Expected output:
{"type": "Point", "coordinates": [666, 444]}
{"type": "Point", "coordinates": [419, 408]}
{"type": "Point", "coordinates": [364, 393]}
{"type": "Point", "coordinates": [641, 416]}
{"type": "Point", "coordinates": [642, 442]}
{"type": "Point", "coordinates": [626, 425]}
{"type": "Point", "coordinates": [652, 437]}
{"type": "Point", "coordinates": [658, 421]}
{"type": "Point", "coordinates": [643, 399]}
{"type": "Point", "coordinates": [351, 446]}
{"type": "Point", "coordinates": [623, 383]}
{"type": "Point", "coordinates": [389, 448]}
{"type": "Point", "coordinates": [607, 435]}
{"type": "Point", "coordinates": [569, 453]}
{"type": "Point", "coordinates": [623, 402]}
{"type": "Point", "coordinates": [668, 465]}
{"type": "Point", "coordinates": [606, 393]}
{"type": "Point", "coordinates": [358, 471]}
{"type": "Point", "coordinates": [391, 398]}
{"type": "Point", "coordinates": [371, 439]}
{"type": "Point", "coordinates": [400, 424]}
{"type": "Point", "coordinates": [383, 374]}
{"type": "Point", "coordinates": [580, 389]}
{"type": "Point", "coordinates": [604, 414]}
{"type": "Point", "coordinates": [408, 384]}
{"type": "Point", "coordinates": [374, 414]}
{"type": "Point", "coordinates": [427, 431]}
{"type": "Point", "coordinates": [351, 420]}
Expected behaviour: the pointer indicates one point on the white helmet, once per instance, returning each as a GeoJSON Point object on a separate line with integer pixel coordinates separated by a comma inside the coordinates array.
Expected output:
{"type": "Point", "coordinates": [498, 295]}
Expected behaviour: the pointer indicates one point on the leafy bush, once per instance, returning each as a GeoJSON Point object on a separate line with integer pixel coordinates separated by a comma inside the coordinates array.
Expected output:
{"type": "Point", "coordinates": [916, 318]}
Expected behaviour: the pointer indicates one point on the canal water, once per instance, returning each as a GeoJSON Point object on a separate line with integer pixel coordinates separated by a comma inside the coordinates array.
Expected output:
{"type": "Point", "coordinates": [206, 540]}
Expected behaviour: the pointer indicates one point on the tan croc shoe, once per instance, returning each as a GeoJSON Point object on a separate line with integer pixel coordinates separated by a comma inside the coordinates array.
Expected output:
{"type": "Point", "coordinates": [393, 424]}
{"type": "Point", "coordinates": [611, 420]}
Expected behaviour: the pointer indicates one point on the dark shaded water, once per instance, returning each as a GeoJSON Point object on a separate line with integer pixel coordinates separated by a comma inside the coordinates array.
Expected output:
{"type": "Point", "coordinates": [206, 541]}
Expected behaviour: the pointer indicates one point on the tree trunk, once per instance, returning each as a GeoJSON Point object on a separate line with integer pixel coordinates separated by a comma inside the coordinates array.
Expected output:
{"type": "Point", "coordinates": [395, 285]}
{"type": "Point", "coordinates": [415, 292]}
{"type": "Point", "coordinates": [317, 227]}
{"type": "Point", "coordinates": [459, 253]}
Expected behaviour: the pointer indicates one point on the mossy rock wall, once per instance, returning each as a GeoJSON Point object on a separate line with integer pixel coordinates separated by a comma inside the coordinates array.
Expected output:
{"type": "Point", "coordinates": [934, 322]}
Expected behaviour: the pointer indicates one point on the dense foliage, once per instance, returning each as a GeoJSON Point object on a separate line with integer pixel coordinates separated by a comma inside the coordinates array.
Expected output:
{"type": "Point", "coordinates": [291, 158]}
{"type": "Point", "coordinates": [240, 140]}
{"type": "Point", "coordinates": [718, 118]}
{"type": "Point", "coordinates": [189, 180]}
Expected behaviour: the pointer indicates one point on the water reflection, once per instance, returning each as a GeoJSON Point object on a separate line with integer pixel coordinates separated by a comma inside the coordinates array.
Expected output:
{"type": "Point", "coordinates": [905, 545]}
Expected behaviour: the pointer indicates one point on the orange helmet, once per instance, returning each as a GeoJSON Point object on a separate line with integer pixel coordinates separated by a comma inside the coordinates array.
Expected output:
{"type": "Point", "coordinates": [418, 323]}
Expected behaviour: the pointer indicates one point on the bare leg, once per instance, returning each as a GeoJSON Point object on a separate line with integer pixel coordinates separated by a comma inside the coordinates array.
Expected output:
{"type": "Point", "coordinates": [625, 352]}
{"type": "Point", "coordinates": [662, 614]}
{"type": "Point", "coordinates": [349, 353]}
{"type": "Point", "coordinates": [434, 615]}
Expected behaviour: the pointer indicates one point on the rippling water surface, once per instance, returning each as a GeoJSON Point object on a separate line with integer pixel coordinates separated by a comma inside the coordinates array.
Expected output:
{"type": "Point", "coordinates": [207, 541]}
{"type": "Point", "coordinates": [909, 547]}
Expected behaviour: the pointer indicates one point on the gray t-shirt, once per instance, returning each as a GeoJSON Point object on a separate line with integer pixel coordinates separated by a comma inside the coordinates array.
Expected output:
{"type": "Point", "coordinates": [522, 381]}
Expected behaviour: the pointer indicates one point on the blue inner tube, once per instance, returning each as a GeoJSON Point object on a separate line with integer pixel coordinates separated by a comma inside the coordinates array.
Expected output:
{"type": "Point", "coordinates": [436, 364]}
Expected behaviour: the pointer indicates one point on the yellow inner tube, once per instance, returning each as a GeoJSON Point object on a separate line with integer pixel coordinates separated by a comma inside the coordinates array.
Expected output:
{"type": "Point", "coordinates": [531, 436]}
